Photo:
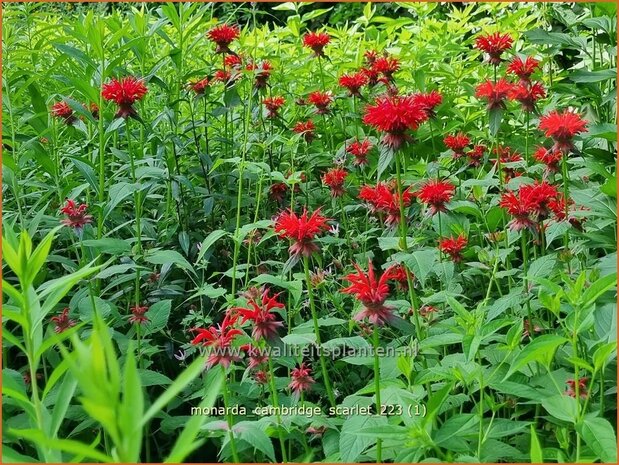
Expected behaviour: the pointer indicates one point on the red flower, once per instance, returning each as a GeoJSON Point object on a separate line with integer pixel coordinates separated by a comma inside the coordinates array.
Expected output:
{"type": "Point", "coordinates": [385, 199]}
{"type": "Point", "coordinates": [63, 110]}
{"type": "Point", "coordinates": [334, 178]}
{"type": "Point", "coordinates": [138, 315]}
{"type": "Point", "coordinates": [354, 82]}
{"type": "Point", "coordinates": [527, 94]}
{"type": "Point", "coordinates": [582, 388]}
{"type": "Point", "coordinates": [530, 205]}
{"type": "Point", "coordinates": [226, 77]}
{"type": "Point", "coordinates": [316, 41]}
{"type": "Point", "coordinates": [549, 157]}
{"type": "Point", "coordinates": [395, 115]}
{"type": "Point", "coordinates": [256, 355]}
{"type": "Point", "coordinates": [476, 155]}
{"type": "Point", "coordinates": [301, 380]}
{"type": "Point", "coordinates": [125, 93]}
{"type": "Point", "coordinates": [261, 377]}
{"type": "Point", "coordinates": [199, 86]}
{"type": "Point", "coordinates": [457, 143]}
{"type": "Point", "coordinates": [259, 312]}
{"type": "Point", "coordinates": [436, 194]}
{"type": "Point", "coordinates": [76, 216]}
{"type": "Point", "coordinates": [562, 127]}
{"type": "Point", "coordinates": [370, 56]}
{"type": "Point", "coordinates": [507, 155]}
{"type": "Point", "coordinates": [321, 100]}
{"type": "Point", "coordinates": [262, 73]}
{"type": "Point", "coordinates": [278, 191]}
{"type": "Point", "coordinates": [494, 45]}
{"type": "Point", "coordinates": [233, 61]}
{"type": "Point", "coordinates": [398, 274]}
{"type": "Point", "coordinates": [523, 69]}
{"type": "Point", "coordinates": [429, 101]}
{"type": "Point", "coordinates": [94, 110]}
{"type": "Point", "coordinates": [62, 322]}
{"type": "Point", "coordinates": [453, 247]}
{"type": "Point", "coordinates": [372, 293]}
{"type": "Point", "coordinates": [273, 104]}
{"type": "Point", "coordinates": [494, 93]}
{"type": "Point", "coordinates": [301, 230]}
{"type": "Point", "coordinates": [223, 35]}
{"type": "Point", "coordinates": [359, 150]}
{"type": "Point", "coordinates": [220, 339]}
{"type": "Point", "coordinates": [561, 211]}
{"type": "Point", "coordinates": [372, 75]}
{"type": "Point", "coordinates": [306, 129]}
{"type": "Point", "coordinates": [386, 66]}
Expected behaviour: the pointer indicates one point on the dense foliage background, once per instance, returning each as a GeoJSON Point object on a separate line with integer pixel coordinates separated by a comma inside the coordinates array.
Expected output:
{"type": "Point", "coordinates": [514, 342]}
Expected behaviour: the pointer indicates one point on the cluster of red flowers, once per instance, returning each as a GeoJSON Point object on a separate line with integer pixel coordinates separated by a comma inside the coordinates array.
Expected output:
{"type": "Point", "coordinates": [75, 215]}
{"type": "Point", "coordinates": [530, 205]}
{"type": "Point", "coordinates": [259, 312]}
{"type": "Point", "coordinates": [384, 199]}
{"type": "Point", "coordinates": [334, 178]}
{"type": "Point", "coordinates": [360, 150]}
{"type": "Point", "coordinates": [317, 41]}
{"type": "Point", "coordinates": [301, 230]}
{"type": "Point", "coordinates": [273, 105]}
{"type": "Point", "coordinates": [64, 111]}
{"type": "Point", "coordinates": [453, 247]}
{"type": "Point", "coordinates": [435, 194]}
{"type": "Point", "coordinates": [62, 322]}
{"type": "Point", "coordinates": [138, 315]}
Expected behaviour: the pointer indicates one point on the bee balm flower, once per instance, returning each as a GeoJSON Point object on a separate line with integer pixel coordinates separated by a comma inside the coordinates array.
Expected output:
{"type": "Point", "coordinates": [301, 230]}
{"type": "Point", "coordinates": [125, 92]}
{"type": "Point", "coordinates": [494, 45]}
{"type": "Point", "coordinates": [223, 35]}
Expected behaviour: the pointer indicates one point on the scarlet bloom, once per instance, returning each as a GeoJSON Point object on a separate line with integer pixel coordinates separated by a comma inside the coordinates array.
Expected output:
{"type": "Point", "coordinates": [125, 93]}
{"type": "Point", "coordinates": [429, 101]}
{"type": "Point", "coordinates": [523, 68]}
{"type": "Point", "coordinates": [386, 66]}
{"type": "Point", "coordinates": [334, 178]}
{"type": "Point", "coordinates": [64, 111]}
{"type": "Point", "coordinates": [506, 156]}
{"type": "Point", "coordinates": [372, 75]}
{"type": "Point", "coordinates": [301, 230]}
{"type": "Point", "coordinates": [62, 322]}
{"type": "Point", "coordinates": [527, 94]}
{"type": "Point", "coordinates": [273, 105]}
{"type": "Point", "coordinates": [561, 211]}
{"type": "Point", "coordinates": [494, 45]}
{"type": "Point", "coordinates": [321, 100]}
{"type": "Point", "coordinates": [301, 380]}
{"type": "Point", "coordinates": [457, 142]}
{"type": "Point", "coordinates": [384, 199]}
{"type": "Point", "coordinates": [223, 35]}
{"type": "Point", "coordinates": [494, 93]}
{"type": "Point", "coordinates": [262, 73]}
{"type": "Point", "coordinates": [220, 339]}
{"type": "Point", "coordinates": [398, 274]}
{"type": "Point", "coordinates": [316, 41]}
{"type": "Point", "coordinates": [233, 61]}
{"type": "Point", "coordinates": [530, 205]}
{"type": "Point", "coordinates": [360, 150]}
{"type": "Point", "coordinates": [76, 216]}
{"type": "Point", "coordinates": [138, 315]}
{"type": "Point", "coordinates": [226, 77]}
{"type": "Point", "coordinates": [582, 388]}
{"type": "Point", "coordinates": [370, 56]}
{"type": "Point", "coordinates": [256, 355]}
{"type": "Point", "coordinates": [372, 293]}
{"type": "Point", "coordinates": [476, 155]}
{"type": "Point", "coordinates": [436, 194]}
{"type": "Point", "coordinates": [453, 247]}
{"type": "Point", "coordinates": [306, 129]}
{"type": "Point", "coordinates": [353, 82]}
{"type": "Point", "coordinates": [549, 157]}
{"type": "Point", "coordinates": [277, 191]}
{"type": "Point", "coordinates": [260, 313]}
{"type": "Point", "coordinates": [394, 115]}
{"type": "Point", "coordinates": [199, 87]}
{"type": "Point", "coordinates": [562, 127]}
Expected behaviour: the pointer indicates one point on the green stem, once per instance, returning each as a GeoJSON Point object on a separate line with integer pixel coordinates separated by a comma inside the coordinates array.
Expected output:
{"type": "Point", "coordinates": [379, 443]}
{"type": "Point", "coordinates": [229, 418]}
{"type": "Point", "coordinates": [525, 265]}
{"type": "Point", "coordinates": [276, 406]}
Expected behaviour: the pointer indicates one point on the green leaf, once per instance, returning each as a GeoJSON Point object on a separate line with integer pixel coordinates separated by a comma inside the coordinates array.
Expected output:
{"type": "Point", "coordinates": [163, 257]}
{"type": "Point", "coordinates": [495, 116]}
{"type": "Point", "coordinates": [562, 407]}
{"type": "Point", "coordinates": [65, 394]}
{"type": "Point", "coordinates": [598, 288]}
{"type": "Point", "coordinates": [256, 437]}
{"type": "Point", "coordinates": [108, 245]}
{"type": "Point", "coordinates": [158, 315]}
{"type": "Point", "coordinates": [421, 263]}
{"type": "Point", "coordinates": [384, 160]}
{"type": "Point", "coordinates": [208, 242]}
{"type": "Point", "coordinates": [600, 436]}
{"type": "Point", "coordinates": [542, 349]}
{"type": "Point", "coordinates": [536, 449]}
{"type": "Point", "coordinates": [455, 426]}
{"type": "Point", "coordinates": [153, 378]}
{"type": "Point", "coordinates": [352, 445]}
{"type": "Point", "coordinates": [130, 411]}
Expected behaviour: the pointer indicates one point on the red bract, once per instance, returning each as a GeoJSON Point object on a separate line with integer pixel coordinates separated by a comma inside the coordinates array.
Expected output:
{"type": "Point", "coordinates": [138, 315]}
{"type": "Point", "coordinates": [301, 380]}
{"type": "Point", "coordinates": [386, 66]}
{"type": "Point", "coordinates": [453, 247]}
{"type": "Point", "coordinates": [582, 388]}
{"type": "Point", "coordinates": [398, 274]}
{"type": "Point", "coordinates": [220, 339]}
{"type": "Point", "coordinates": [353, 82]}
{"type": "Point", "coordinates": [76, 216]}
{"type": "Point", "coordinates": [530, 205]}
{"type": "Point", "coordinates": [561, 211]}
{"type": "Point", "coordinates": [370, 56]}
{"type": "Point", "coordinates": [62, 322]}
{"type": "Point", "coordinates": [435, 194]}
{"type": "Point", "coordinates": [199, 86]}
{"type": "Point", "coordinates": [301, 230]}
{"type": "Point", "coordinates": [494, 45]}
{"type": "Point", "coordinates": [321, 100]}
{"type": "Point", "coordinates": [334, 178]}
{"type": "Point", "coordinates": [125, 93]}
{"type": "Point", "coordinates": [233, 61]}
{"type": "Point", "coordinates": [316, 41]}
{"type": "Point", "coordinates": [476, 155]}
{"type": "Point", "coordinates": [306, 129]}
{"type": "Point", "coordinates": [278, 191]}
{"type": "Point", "coordinates": [562, 127]}
{"type": "Point", "coordinates": [262, 73]}
{"type": "Point", "coordinates": [226, 77]}
{"type": "Point", "coordinates": [260, 314]}
{"type": "Point", "coordinates": [223, 35]}
{"type": "Point", "coordinates": [457, 143]}
{"type": "Point", "coordinates": [549, 157]}
{"type": "Point", "coordinates": [394, 115]}
{"type": "Point", "coordinates": [384, 199]}
{"type": "Point", "coordinates": [360, 150]}
{"type": "Point", "coordinates": [64, 111]}
{"type": "Point", "coordinates": [527, 94]}
{"type": "Point", "coordinates": [372, 293]}
{"type": "Point", "coordinates": [429, 101]}
{"type": "Point", "coordinates": [372, 75]}
{"type": "Point", "coordinates": [506, 155]}
{"type": "Point", "coordinates": [256, 355]}
{"type": "Point", "coordinates": [523, 69]}
{"type": "Point", "coordinates": [494, 93]}
{"type": "Point", "coordinates": [273, 104]}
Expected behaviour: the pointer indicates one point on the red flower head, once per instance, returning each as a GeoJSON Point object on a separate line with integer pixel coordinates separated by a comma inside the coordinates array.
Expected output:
{"type": "Point", "coordinates": [226, 77]}
{"type": "Point", "coordinates": [62, 322]}
{"type": "Point", "coordinates": [125, 93]}
{"type": "Point", "coordinates": [316, 41]}
{"type": "Point", "coordinates": [561, 211]}
{"type": "Point", "coordinates": [527, 94]}
{"type": "Point", "coordinates": [457, 143]}
{"type": "Point", "coordinates": [262, 73]}
{"type": "Point", "coordinates": [370, 56]}
{"type": "Point", "coordinates": [372, 293]}
{"type": "Point", "coordinates": [436, 194]}
{"type": "Point", "coordinates": [301, 230]}
{"type": "Point", "coordinates": [223, 35]}
{"type": "Point", "coordinates": [549, 157]}
{"type": "Point", "coordinates": [353, 82]}
{"type": "Point", "coordinates": [429, 101]}
{"type": "Point", "coordinates": [384, 199]}
{"type": "Point", "coordinates": [371, 74]}
{"type": "Point", "coordinates": [306, 129]}
{"type": "Point", "coordinates": [94, 110]}
{"type": "Point", "coordinates": [453, 247]}
{"type": "Point", "coordinates": [386, 66]}
{"type": "Point", "coordinates": [64, 111]}
{"type": "Point", "coordinates": [234, 61]}
{"type": "Point", "coordinates": [199, 87]}
{"type": "Point", "coordinates": [301, 380]}
{"type": "Point", "coordinates": [506, 155]}
{"type": "Point", "coordinates": [398, 274]}
{"type": "Point", "coordinates": [261, 377]}
{"type": "Point", "coordinates": [582, 388]}
{"type": "Point", "coordinates": [494, 45]}
{"type": "Point", "coordinates": [334, 178]}
{"type": "Point", "coordinates": [494, 93]}
{"type": "Point", "coordinates": [257, 356]}
{"type": "Point", "coordinates": [394, 115]}
{"type": "Point", "coordinates": [562, 127]}
{"type": "Point", "coordinates": [138, 315]}
{"type": "Point", "coordinates": [220, 339]}
{"type": "Point", "coordinates": [76, 216]}
{"type": "Point", "coordinates": [278, 191]}
{"type": "Point", "coordinates": [476, 155]}
{"type": "Point", "coordinates": [321, 100]}
{"type": "Point", "coordinates": [359, 150]}
{"type": "Point", "coordinates": [260, 313]}
{"type": "Point", "coordinates": [530, 205]}
{"type": "Point", "coordinates": [523, 69]}
{"type": "Point", "coordinates": [273, 104]}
